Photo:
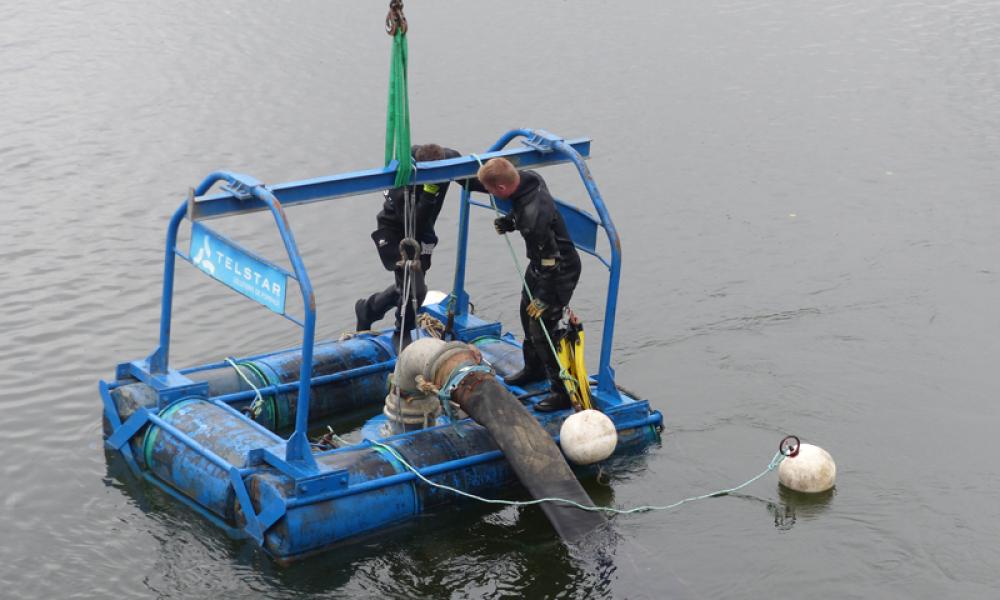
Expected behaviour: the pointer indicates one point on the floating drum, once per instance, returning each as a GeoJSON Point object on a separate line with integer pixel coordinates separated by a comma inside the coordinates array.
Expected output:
{"type": "Point", "coordinates": [811, 470]}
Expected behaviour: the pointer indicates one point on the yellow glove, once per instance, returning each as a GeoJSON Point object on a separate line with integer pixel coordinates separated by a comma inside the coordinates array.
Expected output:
{"type": "Point", "coordinates": [536, 309]}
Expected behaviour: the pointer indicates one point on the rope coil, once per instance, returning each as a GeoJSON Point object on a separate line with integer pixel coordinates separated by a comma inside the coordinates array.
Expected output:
{"type": "Point", "coordinates": [431, 325]}
{"type": "Point", "coordinates": [420, 410]}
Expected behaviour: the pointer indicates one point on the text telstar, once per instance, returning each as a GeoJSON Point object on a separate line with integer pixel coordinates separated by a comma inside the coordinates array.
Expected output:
{"type": "Point", "coordinates": [247, 273]}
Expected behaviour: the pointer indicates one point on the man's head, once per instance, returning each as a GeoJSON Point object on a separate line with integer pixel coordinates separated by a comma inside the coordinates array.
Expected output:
{"type": "Point", "coordinates": [428, 152]}
{"type": "Point", "coordinates": [499, 177]}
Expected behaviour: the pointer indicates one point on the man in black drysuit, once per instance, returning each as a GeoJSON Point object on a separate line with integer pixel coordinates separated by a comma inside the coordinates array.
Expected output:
{"type": "Point", "coordinates": [427, 202]}
{"type": "Point", "coordinates": [552, 274]}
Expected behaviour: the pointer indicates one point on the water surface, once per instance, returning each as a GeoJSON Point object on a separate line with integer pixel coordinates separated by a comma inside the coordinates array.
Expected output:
{"type": "Point", "coordinates": [807, 196]}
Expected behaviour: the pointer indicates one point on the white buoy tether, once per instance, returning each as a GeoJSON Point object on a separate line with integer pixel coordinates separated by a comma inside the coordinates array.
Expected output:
{"type": "Point", "coordinates": [587, 437]}
{"type": "Point", "coordinates": [806, 468]}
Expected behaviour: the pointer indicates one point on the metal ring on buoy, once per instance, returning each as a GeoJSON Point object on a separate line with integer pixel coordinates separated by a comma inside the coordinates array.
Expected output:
{"type": "Point", "coordinates": [789, 446]}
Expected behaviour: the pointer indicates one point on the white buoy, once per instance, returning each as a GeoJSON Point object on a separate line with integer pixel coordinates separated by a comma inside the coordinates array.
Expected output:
{"type": "Point", "coordinates": [588, 437]}
{"type": "Point", "coordinates": [811, 471]}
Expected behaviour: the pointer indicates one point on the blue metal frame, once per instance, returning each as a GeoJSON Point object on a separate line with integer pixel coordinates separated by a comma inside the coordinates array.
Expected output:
{"type": "Point", "coordinates": [243, 194]}
{"type": "Point", "coordinates": [243, 188]}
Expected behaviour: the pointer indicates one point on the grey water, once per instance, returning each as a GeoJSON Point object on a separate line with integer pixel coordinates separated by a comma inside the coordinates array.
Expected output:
{"type": "Point", "coordinates": [807, 194]}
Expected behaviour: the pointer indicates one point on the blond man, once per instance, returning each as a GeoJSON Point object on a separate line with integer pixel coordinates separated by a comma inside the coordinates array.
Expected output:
{"type": "Point", "coordinates": [552, 274]}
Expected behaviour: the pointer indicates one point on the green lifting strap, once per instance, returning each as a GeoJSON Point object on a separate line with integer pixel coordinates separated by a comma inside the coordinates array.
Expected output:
{"type": "Point", "coordinates": [397, 121]}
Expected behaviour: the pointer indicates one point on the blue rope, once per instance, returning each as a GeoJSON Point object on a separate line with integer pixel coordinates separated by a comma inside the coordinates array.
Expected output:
{"type": "Point", "coordinates": [778, 457]}
{"type": "Point", "coordinates": [444, 394]}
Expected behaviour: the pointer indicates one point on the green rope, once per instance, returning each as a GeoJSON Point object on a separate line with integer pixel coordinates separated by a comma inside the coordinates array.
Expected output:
{"type": "Point", "coordinates": [258, 402]}
{"type": "Point", "coordinates": [563, 371]}
{"type": "Point", "coordinates": [778, 457]}
{"type": "Point", "coordinates": [397, 119]}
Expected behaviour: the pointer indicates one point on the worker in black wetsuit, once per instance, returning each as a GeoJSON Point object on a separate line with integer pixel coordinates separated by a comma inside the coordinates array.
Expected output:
{"type": "Point", "coordinates": [427, 202]}
{"type": "Point", "coordinates": [553, 268]}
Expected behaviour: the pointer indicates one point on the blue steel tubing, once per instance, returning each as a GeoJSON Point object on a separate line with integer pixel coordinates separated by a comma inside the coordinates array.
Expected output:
{"type": "Point", "coordinates": [461, 296]}
{"type": "Point", "coordinates": [336, 394]}
{"type": "Point", "coordinates": [320, 380]}
{"type": "Point", "coordinates": [159, 359]}
{"type": "Point", "coordinates": [260, 428]}
{"type": "Point", "coordinates": [436, 469]}
{"type": "Point", "coordinates": [169, 453]}
{"type": "Point", "coordinates": [508, 137]}
{"type": "Point", "coordinates": [253, 357]}
{"type": "Point", "coordinates": [211, 179]}
{"type": "Point", "coordinates": [223, 364]}
{"type": "Point", "coordinates": [605, 377]}
{"type": "Point", "coordinates": [115, 422]}
{"type": "Point", "coordinates": [212, 457]}
{"type": "Point", "coordinates": [297, 449]}
{"type": "Point", "coordinates": [404, 477]}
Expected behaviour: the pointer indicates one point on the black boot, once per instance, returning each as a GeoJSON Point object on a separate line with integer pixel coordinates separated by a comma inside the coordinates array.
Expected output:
{"type": "Point", "coordinates": [558, 397]}
{"type": "Point", "coordinates": [555, 401]}
{"type": "Point", "coordinates": [531, 372]}
{"type": "Point", "coordinates": [524, 377]}
{"type": "Point", "coordinates": [364, 318]}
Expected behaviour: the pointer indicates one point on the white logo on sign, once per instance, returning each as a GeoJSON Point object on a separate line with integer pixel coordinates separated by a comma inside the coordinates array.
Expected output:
{"type": "Point", "coordinates": [204, 257]}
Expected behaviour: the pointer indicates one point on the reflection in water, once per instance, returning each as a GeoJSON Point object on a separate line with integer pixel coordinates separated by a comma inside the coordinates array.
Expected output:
{"type": "Point", "coordinates": [784, 515]}
{"type": "Point", "coordinates": [467, 550]}
{"type": "Point", "coordinates": [807, 506]}
{"type": "Point", "coordinates": [792, 505]}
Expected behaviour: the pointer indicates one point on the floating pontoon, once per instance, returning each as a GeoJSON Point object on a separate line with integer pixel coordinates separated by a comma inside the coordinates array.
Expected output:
{"type": "Point", "coordinates": [211, 435]}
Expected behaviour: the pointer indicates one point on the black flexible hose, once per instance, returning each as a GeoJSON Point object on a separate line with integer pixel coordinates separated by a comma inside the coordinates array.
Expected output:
{"type": "Point", "coordinates": [531, 452]}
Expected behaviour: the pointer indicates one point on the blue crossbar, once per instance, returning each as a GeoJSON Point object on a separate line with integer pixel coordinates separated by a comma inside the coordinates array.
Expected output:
{"type": "Point", "coordinates": [235, 201]}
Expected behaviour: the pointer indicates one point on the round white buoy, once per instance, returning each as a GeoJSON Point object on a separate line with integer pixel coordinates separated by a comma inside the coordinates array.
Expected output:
{"type": "Point", "coordinates": [812, 470]}
{"type": "Point", "coordinates": [588, 437]}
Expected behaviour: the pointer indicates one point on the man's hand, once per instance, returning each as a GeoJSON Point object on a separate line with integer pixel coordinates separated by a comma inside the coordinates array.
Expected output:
{"type": "Point", "coordinates": [503, 225]}
{"type": "Point", "coordinates": [536, 309]}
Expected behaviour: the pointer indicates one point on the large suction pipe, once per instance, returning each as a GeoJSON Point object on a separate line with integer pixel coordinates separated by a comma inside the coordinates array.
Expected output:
{"type": "Point", "coordinates": [528, 448]}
